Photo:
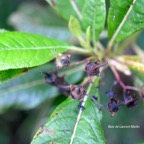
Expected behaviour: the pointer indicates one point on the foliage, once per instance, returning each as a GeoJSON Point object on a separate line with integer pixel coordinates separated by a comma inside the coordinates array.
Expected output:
{"type": "Point", "coordinates": [26, 57]}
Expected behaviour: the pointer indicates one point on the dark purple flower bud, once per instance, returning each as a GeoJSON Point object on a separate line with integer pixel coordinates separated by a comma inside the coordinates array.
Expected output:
{"type": "Point", "coordinates": [60, 81]}
{"type": "Point", "coordinates": [50, 77]}
{"type": "Point", "coordinates": [112, 106]}
{"type": "Point", "coordinates": [62, 61]}
{"type": "Point", "coordinates": [77, 92]}
{"type": "Point", "coordinates": [130, 101]}
{"type": "Point", "coordinates": [53, 78]}
{"type": "Point", "coordinates": [92, 68]}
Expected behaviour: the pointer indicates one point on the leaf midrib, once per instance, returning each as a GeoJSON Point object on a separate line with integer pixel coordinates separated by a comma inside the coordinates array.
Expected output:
{"type": "Point", "coordinates": [34, 48]}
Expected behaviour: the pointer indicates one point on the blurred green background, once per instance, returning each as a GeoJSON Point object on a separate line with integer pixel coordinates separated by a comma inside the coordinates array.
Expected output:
{"type": "Point", "coordinates": [26, 102]}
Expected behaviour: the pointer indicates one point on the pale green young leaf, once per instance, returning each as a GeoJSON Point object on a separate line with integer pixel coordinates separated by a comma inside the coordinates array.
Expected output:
{"type": "Point", "coordinates": [88, 34]}
{"type": "Point", "coordinates": [75, 27]}
{"type": "Point", "coordinates": [134, 62]}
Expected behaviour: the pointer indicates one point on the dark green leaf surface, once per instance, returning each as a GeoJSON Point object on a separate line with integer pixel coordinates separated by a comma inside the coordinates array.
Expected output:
{"type": "Point", "coordinates": [134, 21]}
{"type": "Point", "coordinates": [26, 91]}
{"type": "Point", "coordinates": [92, 13]}
{"type": "Point", "coordinates": [29, 90]}
{"type": "Point", "coordinates": [138, 78]}
{"type": "Point", "coordinates": [60, 126]}
{"type": "Point", "coordinates": [8, 74]}
{"type": "Point", "coordinates": [22, 50]}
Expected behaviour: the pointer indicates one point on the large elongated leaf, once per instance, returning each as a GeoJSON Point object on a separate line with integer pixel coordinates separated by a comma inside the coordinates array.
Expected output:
{"type": "Point", "coordinates": [89, 12]}
{"type": "Point", "coordinates": [29, 90]}
{"type": "Point", "coordinates": [20, 50]}
{"type": "Point", "coordinates": [69, 125]}
{"type": "Point", "coordinates": [26, 91]}
{"type": "Point", "coordinates": [45, 22]}
{"type": "Point", "coordinates": [130, 13]}
{"type": "Point", "coordinates": [93, 15]}
{"type": "Point", "coordinates": [8, 74]}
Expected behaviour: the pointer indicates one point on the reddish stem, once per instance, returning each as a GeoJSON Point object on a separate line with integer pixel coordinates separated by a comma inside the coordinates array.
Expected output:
{"type": "Point", "coordinates": [83, 61]}
{"type": "Point", "coordinates": [120, 81]}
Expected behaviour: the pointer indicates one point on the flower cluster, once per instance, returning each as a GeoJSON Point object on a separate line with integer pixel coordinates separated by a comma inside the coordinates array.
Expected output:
{"type": "Point", "coordinates": [78, 92]}
{"type": "Point", "coordinates": [92, 68]}
{"type": "Point", "coordinates": [130, 100]}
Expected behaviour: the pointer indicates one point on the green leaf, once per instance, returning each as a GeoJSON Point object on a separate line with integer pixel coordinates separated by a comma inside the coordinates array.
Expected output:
{"type": "Point", "coordinates": [135, 63]}
{"type": "Point", "coordinates": [134, 58]}
{"type": "Point", "coordinates": [93, 15]}
{"type": "Point", "coordinates": [22, 50]}
{"type": "Point", "coordinates": [88, 36]}
{"type": "Point", "coordinates": [89, 13]}
{"type": "Point", "coordinates": [29, 90]}
{"type": "Point", "coordinates": [60, 127]}
{"type": "Point", "coordinates": [26, 91]}
{"type": "Point", "coordinates": [66, 8]}
{"type": "Point", "coordinates": [8, 74]}
{"type": "Point", "coordinates": [44, 15]}
{"type": "Point", "coordinates": [125, 18]}
{"type": "Point", "coordinates": [75, 27]}
{"type": "Point", "coordinates": [2, 30]}
{"type": "Point", "coordinates": [138, 78]}
{"type": "Point", "coordinates": [46, 22]}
